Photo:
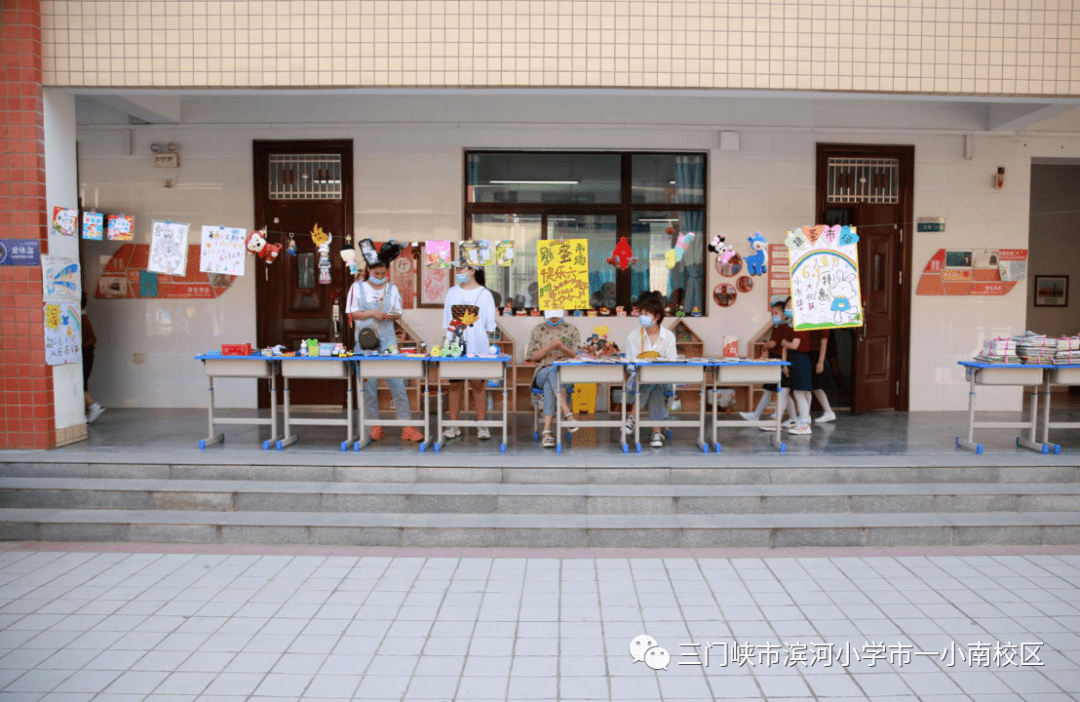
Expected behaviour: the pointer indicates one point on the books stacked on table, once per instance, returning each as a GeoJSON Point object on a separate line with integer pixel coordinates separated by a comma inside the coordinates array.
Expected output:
{"type": "Point", "coordinates": [1036, 349]}
{"type": "Point", "coordinates": [1068, 351]}
{"type": "Point", "coordinates": [1000, 349]}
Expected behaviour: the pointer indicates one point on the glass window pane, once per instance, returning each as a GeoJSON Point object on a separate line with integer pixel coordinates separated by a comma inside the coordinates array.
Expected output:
{"type": "Point", "coordinates": [580, 178]}
{"type": "Point", "coordinates": [601, 232]}
{"type": "Point", "coordinates": [305, 271]}
{"type": "Point", "coordinates": [656, 233]}
{"type": "Point", "coordinates": [668, 179]}
{"type": "Point", "coordinates": [517, 281]}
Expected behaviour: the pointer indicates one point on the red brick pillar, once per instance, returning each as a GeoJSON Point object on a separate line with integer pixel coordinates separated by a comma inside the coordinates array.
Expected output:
{"type": "Point", "coordinates": [27, 411]}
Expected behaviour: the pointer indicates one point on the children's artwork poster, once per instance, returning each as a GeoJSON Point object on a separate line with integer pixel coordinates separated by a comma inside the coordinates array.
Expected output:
{"type": "Point", "coordinates": [223, 250]}
{"type": "Point", "coordinates": [504, 253]}
{"type": "Point", "coordinates": [65, 220]}
{"type": "Point", "coordinates": [434, 284]}
{"type": "Point", "coordinates": [824, 263]}
{"type": "Point", "coordinates": [563, 274]}
{"type": "Point", "coordinates": [779, 274]}
{"type": "Point", "coordinates": [437, 254]}
{"type": "Point", "coordinates": [127, 276]}
{"type": "Point", "coordinates": [60, 278]}
{"type": "Point", "coordinates": [93, 223]}
{"type": "Point", "coordinates": [485, 252]}
{"type": "Point", "coordinates": [470, 251]}
{"type": "Point", "coordinates": [63, 333]}
{"type": "Point", "coordinates": [120, 227]}
{"type": "Point", "coordinates": [973, 272]}
{"type": "Point", "coordinates": [168, 247]}
{"type": "Point", "coordinates": [20, 252]}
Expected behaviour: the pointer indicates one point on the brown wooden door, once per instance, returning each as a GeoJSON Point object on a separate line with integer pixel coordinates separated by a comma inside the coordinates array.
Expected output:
{"type": "Point", "coordinates": [299, 184]}
{"type": "Point", "coordinates": [878, 201]}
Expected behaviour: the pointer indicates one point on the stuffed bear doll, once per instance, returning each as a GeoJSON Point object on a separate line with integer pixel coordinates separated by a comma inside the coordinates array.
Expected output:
{"type": "Point", "coordinates": [257, 245]}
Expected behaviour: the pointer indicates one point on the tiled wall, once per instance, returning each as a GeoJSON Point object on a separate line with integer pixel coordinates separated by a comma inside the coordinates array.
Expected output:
{"type": "Point", "coordinates": [977, 47]}
{"type": "Point", "coordinates": [27, 413]}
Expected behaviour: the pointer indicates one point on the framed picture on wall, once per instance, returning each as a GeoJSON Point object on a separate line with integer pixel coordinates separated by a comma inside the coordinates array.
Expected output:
{"type": "Point", "coordinates": [1051, 291]}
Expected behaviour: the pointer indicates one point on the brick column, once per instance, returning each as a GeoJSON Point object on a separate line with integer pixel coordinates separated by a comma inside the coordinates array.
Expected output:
{"type": "Point", "coordinates": [27, 411]}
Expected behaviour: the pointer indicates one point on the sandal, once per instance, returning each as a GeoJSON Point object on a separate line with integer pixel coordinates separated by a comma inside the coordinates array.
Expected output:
{"type": "Point", "coordinates": [569, 417]}
{"type": "Point", "coordinates": [548, 440]}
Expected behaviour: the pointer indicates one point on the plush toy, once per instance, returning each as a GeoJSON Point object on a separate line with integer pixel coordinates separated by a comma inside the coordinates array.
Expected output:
{"type": "Point", "coordinates": [258, 246]}
{"type": "Point", "coordinates": [348, 255]}
{"type": "Point", "coordinates": [757, 262]}
{"type": "Point", "coordinates": [720, 248]}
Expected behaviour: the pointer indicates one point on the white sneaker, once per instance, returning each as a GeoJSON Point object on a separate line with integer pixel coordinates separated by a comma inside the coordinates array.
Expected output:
{"type": "Point", "coordinates": [800, 429]}
{"type": "Point", "coordinates": [483, 433]}
{"type": "Point", "coordinates": [452, 433]}
{"type": "Point", "coordinates": [788, 423]}
{"type": "Point", "coordinates": [628, 428]}
{"type": "Point", "coordinates": [827, 417]}
{"type": "Point", "coordinates": [749, 416]}
{"type": "Point", "coordinates": [95, 412]}
{"type": "Point", "coordinates": [657, 440]}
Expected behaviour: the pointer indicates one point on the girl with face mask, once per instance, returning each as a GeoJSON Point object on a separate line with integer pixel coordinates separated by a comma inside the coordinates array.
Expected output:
{"type": "Point", "coordinates": [651, 340]}
{"type": "Point", "coordinates": [781, 332]}
{"type": "Point", "coordinates": [375, 304]}
{"type": "Point", "coordinates": [470, 290]}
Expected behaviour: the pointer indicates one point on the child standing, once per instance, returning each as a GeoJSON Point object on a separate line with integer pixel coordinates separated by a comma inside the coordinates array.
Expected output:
{"type": "Point", "coordinates": [819, 342]}
{"type": "Point", "coordinates": [781, 332]}
{"type": "Point", "coordinates": [798, 377]}
{"type": "Point", "coordinates": [89, 343]}
{"type": "Point", "coordinates": [470, 293]}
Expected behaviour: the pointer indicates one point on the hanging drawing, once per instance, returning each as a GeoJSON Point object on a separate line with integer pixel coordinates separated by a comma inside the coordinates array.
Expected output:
{"type": "Point", "coordinates": [92, 225]}
{"type": "Point", "coordinates": [824, 277]}
{"type": "Point", "coordinates": [65, 220]}
{"type": "Point", "coordinates": [120, 227]}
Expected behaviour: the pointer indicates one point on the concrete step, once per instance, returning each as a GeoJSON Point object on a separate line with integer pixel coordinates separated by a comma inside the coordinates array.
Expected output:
{"type": "Point", "coordinates": [619, 470]}
{"type": "Point", "coordinates": [549, 499]}
{"type": "Point", "coordinates": [560, 530]}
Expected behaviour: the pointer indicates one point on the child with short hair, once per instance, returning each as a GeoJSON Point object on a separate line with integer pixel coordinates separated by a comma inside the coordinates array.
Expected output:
{"type": "Point", "coordinates": [781, 332]}
{"type": "Point", "coordinates": [650, 341]}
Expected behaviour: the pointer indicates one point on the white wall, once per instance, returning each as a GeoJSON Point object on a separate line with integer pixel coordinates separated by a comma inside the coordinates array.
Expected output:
{"type": "Point", "coordinates": [408, 153]}
{"type": "Point", "coordinates": [1055, 244]}
{"type": "Point", "coordinates": [59, 122]}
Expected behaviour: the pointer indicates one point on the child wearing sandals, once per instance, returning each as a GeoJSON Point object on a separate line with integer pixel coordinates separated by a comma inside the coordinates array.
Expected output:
{"type": "Point", "coordinates": [552, 340]}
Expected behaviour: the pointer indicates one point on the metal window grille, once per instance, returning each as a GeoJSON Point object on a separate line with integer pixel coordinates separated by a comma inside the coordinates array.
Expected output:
{"type": "Point", "coordinates": [305, 177]}
{"type": "Point", "coordinates": [872, 180]}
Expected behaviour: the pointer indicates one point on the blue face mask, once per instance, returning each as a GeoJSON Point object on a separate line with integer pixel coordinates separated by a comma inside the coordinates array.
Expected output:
{"type": "Point", "coordinates": [376, 281]}
{"type": "Point", "coordinates": [555, 322]}
{"type": "Point", "coordinates": [462, 278]}
{"type": "Point", "coordinates": [646, 320]}
{"type": "Point", "coordinates": [787, 313]}
{"type": "Point", "coordinates": [776, 320]}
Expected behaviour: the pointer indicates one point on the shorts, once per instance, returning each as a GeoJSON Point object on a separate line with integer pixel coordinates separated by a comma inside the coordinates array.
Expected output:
{"type": "Point", "coordinates": [87, 364]}
{"type": "Point", "coordinates": [800, 372]}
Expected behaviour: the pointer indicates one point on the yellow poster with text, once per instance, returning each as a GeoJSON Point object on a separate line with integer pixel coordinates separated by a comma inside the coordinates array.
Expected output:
{"type": "Point", "coordinates": [563, 274]}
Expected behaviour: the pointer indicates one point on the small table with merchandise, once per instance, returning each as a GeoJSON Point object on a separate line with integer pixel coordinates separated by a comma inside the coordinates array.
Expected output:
{"type": "Point", "coordinates": [738, 371]}
{"type": "Point", "coordinates": [473, 368]}
{"type": "Point", "coordinates": [388, 367]}
{"type": "Point", "coordinates": [590, 371]}
{"type": "Point", "coordinates": [664, 372]}
{"type": "Point", "coordinates": [321, 368]}
{"type": "Point", "coordinates": [1024, 375]}
{"type": "Point", "coordinates": [221, 366]}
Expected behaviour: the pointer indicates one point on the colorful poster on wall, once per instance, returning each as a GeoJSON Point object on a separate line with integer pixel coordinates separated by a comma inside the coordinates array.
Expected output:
{"type": "Point", "coordinates": [93, 223]}
{"type": "Point", "coordinates": [63, 333]}
{"type": "Point", "coordinates": [60, 278]}
{"type": "Point", "coordinates": [824, 263]}
{"type": "Point", "coordinates": [126, 277]}
{"type": "Point", "coordinates": [973, 272]}
{"type": "Point", "coordinates": [470, 251]}
{"type": "Point", "coordinates": [223, 250]}
{"type": "Point", "coordinates": [504, 253]}
{"type": "Point", "coordinates": [434, 284]}
{"type": "Point", "coordinates": [779, 274]}
{"type": "Point", "coordinates": [65, 220]}
{"type": "Point", "coordinates": [168, 247]}
{"type": "Point", "coordinates": [485, 251]}
{"type": "Point", "coordinates": [437, 254]}
{"type": "Point", "coordinates": [121, 227]}
{"type": "Point", "coordinates": [20, 252]}
{"type": "Point", "coordinates": [563, 274]}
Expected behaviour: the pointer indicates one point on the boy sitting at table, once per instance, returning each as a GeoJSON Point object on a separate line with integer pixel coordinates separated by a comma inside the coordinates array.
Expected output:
{"type": "Point", "coordinates": [650, 341]}
{"type": "Point", "coordinates": [552, 340]}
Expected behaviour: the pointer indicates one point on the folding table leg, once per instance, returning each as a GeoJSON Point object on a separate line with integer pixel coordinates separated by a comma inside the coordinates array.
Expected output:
{"type": "Point", "coordinates": [1030, 442]}
{"type": "Point", "coordinates": [969, 443]}
{"type": "Point", "coordinates": [211, 437]}
{"type": "Point", "coordinates": [288, 439]}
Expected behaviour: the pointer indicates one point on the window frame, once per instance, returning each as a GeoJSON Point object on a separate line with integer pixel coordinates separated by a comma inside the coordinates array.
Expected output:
{"type": "Point", "coordinates": [623, 210]}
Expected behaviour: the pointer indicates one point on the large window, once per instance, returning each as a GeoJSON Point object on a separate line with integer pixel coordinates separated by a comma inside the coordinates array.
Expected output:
{"type": "Point", "coordinates": [649, 198]}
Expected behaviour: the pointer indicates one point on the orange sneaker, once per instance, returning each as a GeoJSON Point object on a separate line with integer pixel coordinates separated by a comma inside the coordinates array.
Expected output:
{"type": "Point", "coordinates": [411, 434]}
{"type": "Point", "coordinates": [376, 433]}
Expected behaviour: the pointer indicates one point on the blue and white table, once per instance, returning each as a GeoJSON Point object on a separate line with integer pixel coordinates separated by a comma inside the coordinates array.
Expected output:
{"type": "Point", "coordinates": [588, 371]}
{"type": "Point", "coordinates": [663, 372]}
{"type": "Point", "coordinates": [737, 371]}
{"type": "Point", "coordinates": [388, 367]}
{"type": "Point", "coordinates": [322, 368]}
{"type": "Point", "coordinates": [1058, 375]}
{"type": "Point", "coordinates": [217, 365]}
{"type": "Point", "coordinates": [473, 368]}
{"type": "Point", "coordinates": [1004, 374]}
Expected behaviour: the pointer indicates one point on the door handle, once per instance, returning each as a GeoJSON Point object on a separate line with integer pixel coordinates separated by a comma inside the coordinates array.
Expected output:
{"type": "Point", "coordinates": [338, 333]}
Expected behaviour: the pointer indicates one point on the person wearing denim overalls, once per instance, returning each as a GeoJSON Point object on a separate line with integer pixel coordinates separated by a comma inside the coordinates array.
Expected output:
{"type": "Point", "coordinates": [375, 304]}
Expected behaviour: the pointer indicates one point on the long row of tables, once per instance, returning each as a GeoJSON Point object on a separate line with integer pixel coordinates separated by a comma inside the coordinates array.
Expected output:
{"type": "Point", "coordinates": [353, 370]}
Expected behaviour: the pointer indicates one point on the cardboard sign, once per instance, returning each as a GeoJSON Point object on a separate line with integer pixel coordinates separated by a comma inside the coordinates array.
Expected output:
{"type": "Point", "coordinates": [824, 277]}
{"type": "Point", "coordinates": [563, 274]}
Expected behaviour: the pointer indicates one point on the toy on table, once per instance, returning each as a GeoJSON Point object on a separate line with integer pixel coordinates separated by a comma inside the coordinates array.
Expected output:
{"type": "Point", "coordinates": [270, 351]}
{"type": "Point", "coordinates": [597, 346]}
{"type": "Point", "coordinates": [453, 349]}
{"type": "Point", "coordinates": [579, 313]}
{"type": "Point", "coordinates": [236, 349]}
{"type": "Point", "coordinates": [620, 311]}
{"type": "Point", "coordinates": [680, 312]}
{"type": "Point", "coordinates": [436, 352]}
{"type": "Point", "coordinates": [258, 246]}
{"type": "Point", "coordinates": [309, 347]}
{"type": "Point", "coordinates": [508, 310]}
{"type": "Point", "coordinates": [696, 312]}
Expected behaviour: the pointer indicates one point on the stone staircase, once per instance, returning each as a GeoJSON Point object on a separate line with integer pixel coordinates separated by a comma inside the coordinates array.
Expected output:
{"type": "Point", "coordinates": [854, 504]}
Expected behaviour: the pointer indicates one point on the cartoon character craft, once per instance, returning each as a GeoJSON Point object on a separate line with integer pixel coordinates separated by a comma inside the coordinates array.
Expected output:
{"type": "Point", "coordinates": [258, 246]}
{"type": "Point", "coordinates": [675, 256]}
{"type": "Point", "coordinates": [597, 345]}
{"type": "Point", "coordinates": [719, 247]}
{"type": "Point", "coordinates": [842, 291]}
{"type": "Point", "coordinates": [622, 256]}
{"type": "Point", "coordinates": [757, 262]}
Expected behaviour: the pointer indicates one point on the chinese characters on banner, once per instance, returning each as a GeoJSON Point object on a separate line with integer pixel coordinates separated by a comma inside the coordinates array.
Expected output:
{"type": "Point", "coordinates": [824, 277]}
{"type": "Point", "coordinates": [563, 272]}
{"type": "Point", "coordinates": [92, 225]}
{"type": "Point", "coordinates": [63, 333]}
{"type": "Point", "coordinates": [168, 248]}
{"type": "Point", "coordinates": [65, 220]}
{"type": "Point", "coordinates": [973, 272]}
{"type": "Point", "coordinates": [20, 252]}
{"type": "Point", "coordinates": [60, 278]}
{"type": "Point", "coordinates": [223, 250]}
{"type": "Point", "coordinates": [120, 227]}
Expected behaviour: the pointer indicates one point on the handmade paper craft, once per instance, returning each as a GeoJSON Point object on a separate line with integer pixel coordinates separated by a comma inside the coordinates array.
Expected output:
{"type": "Point", "coordinates": [65, 220]}
{"type": "Point", "coordinates": [437, 254]}
{"type": "Point", "coordinates": [60, 279]}
{"type": "Point", "coordinates": [92, 225]}
{"type": "Point", "coordinates": [504, 253]}
{"type": "Point", "coordinates": [622, 256]}
{"type": "Point", "coordinates": [63, 333]}
{"type": "Point", "coordinates": [318, 236]}
{"type": "Point", "coordinates": [563, 274]}
{"type": "Point", "coordinates": [121, 227]}
{"type": "Point", "coordinates": [757, 262]}
{"type": "Point", "coordinates": [168, 248]}
{"type": "Point", "coordinates": [223, 250]}
{"type": "Point", "coordinates": [824, 277]}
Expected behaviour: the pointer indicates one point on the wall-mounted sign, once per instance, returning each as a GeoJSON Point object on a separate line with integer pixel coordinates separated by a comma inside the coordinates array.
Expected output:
{"type": "Point", "coordinates": [20, 252]}
{"type": "Point", "coordinates": [973, 272]}
{"type": "Point", "coordinates": [934, 225]}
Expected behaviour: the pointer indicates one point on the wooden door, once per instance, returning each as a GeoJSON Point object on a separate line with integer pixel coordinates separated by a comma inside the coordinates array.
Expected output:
{"type": "Point", "coordinates": [870, 187]}
{"type": "Point", "coordinates": [299, 184]}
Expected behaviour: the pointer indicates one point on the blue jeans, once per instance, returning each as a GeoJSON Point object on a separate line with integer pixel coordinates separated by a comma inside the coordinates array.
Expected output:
{"type": "Point", "coordinates": [545, 380]}
{"type": "Point", "coordinates": [397, 391]}
{"type": "Point", "coordinates": [654, 397]}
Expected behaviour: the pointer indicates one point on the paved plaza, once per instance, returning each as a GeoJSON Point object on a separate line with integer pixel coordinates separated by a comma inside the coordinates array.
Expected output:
{"type": "Point", "coordinates": [151, 623]}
